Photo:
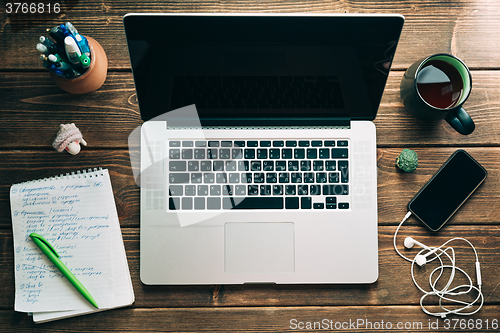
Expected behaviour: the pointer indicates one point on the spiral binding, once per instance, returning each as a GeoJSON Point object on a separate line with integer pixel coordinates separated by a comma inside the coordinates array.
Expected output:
{"type": "Point", "coordinates": [89, 173]}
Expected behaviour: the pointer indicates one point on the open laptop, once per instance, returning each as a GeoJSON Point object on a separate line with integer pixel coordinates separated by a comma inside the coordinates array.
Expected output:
{"type": "Point", "coordinates": [258, 151]}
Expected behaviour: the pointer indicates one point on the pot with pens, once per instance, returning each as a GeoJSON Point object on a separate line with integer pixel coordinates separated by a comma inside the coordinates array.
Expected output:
{"type": "Point", "coordinates": [77, 64]}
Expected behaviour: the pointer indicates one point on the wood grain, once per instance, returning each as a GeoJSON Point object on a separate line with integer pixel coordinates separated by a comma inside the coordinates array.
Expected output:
{"type": "Point", "coordinates": [457, 27]}
{"type": "Point", "coordinates": [33, 107]}
{"type": "Point", "coordinates": [394, 286]}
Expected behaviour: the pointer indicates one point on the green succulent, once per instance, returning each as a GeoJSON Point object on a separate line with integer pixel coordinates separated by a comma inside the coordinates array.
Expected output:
{"type": "Point", "coordinates": [407, 160]}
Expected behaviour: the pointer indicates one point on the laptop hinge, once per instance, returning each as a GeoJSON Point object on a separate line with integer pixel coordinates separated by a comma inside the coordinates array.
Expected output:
{"type": "Point", "coordinates": [274, 123]}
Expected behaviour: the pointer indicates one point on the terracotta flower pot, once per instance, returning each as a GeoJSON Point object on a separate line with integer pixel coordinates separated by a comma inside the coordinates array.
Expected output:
{"type": "Point", "coordinates": [93, 78]}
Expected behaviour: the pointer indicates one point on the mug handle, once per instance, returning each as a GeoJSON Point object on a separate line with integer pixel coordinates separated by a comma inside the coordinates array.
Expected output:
{"type": "Point", "coordinates": [460, 120]}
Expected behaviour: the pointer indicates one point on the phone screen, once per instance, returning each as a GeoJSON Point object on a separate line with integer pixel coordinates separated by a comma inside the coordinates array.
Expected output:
{"type": "Point", "coordinates": [447, 190]}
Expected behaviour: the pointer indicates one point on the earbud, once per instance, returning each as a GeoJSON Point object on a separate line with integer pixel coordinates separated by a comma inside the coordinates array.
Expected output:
{"type": "Point", "coordinates": [421, 259]}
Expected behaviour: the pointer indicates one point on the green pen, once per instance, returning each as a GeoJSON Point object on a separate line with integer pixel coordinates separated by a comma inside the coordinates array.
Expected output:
{"type": "Point", "coordinates": [53, 256]}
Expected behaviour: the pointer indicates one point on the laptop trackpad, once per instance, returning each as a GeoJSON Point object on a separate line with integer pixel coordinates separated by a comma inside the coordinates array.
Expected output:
{"type": "Point", "coordinates": [259, 247]}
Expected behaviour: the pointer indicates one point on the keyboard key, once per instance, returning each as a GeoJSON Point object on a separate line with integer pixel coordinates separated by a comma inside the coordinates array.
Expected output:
{"type": "Point", "coordinates": [324, 153]}
{"type": "Point", "coordinates": [200, 144]}
{"type": "Point", "coordinates": [199, 203]}
{"type": "Point", "coordinates": [187, 143]}
{"type": "Point", "coordinates": [190, 190]}
{"type": "Point", "coordinates": [331, 206]}
{"type": "Point", "coordinates": [335, 189]}
{"type": "Point", "coordinates": [333, 177]}
{"type": "Point", "coordinates": [196, 177]}
{"type": "Point", "coordinates": [330, 143]}
{"type": "Point", "coordinates": [226, 144]}
{"type": "Point", "coordinates": [243, 166]}
{"type": "Point", "coordinates": [174, 154]}
{"type": "Point", "coordinates": [177, 165]}
{"type": "Point", "coordinates": [339, 153]}
{"type": "Point", "coordinates": [303, 189]}
{"type": "Point", "coordinates": [174, 203]}
{"type": "Point", "coordinates": [239, 143]}
{"type": "Point", "coordinates": [342, 143]}
{"type": "Point", "coordinates": [321, 177]}
{"type": "Point", "coordinates": [312, 153]}
{"type": "Point", "coordinates": [256, 166]}
{"type": "Point", "coordinates": [249, 153]}
{"type": "Point", "coordinates": [187, 203]}
{"type": "Point", "coordinates": [331, 200]}
{"type": "Point", "coordinates": [213, 203]}
{"type": "Point", "coordinates": [206, 166]}
{"type": "Point", "coordinates": [278, 143]}
{"type": "Point", "coordinates": [293, 165]}
{"type": "Point", "coordinates": [284, 177]}
{"type": "Point", "coordinates": [253, 189]}
{"type": "Point", "coordinates": [280, 165]}
{"type": "Point", "coordinates": [317, 143]}
{"type": "Point", "coordinates": [318, 166]}
{"type": "Point", "coordinates": [240, 190]}
{"type": "Point", "coordinates": [305, 165]}
{"type": "Point", "coordinates": [303, 143]}
{"type": "Point", "coordinates": [344, 205]}
{"type": "Point", "coordinates": [290, 189]}
{"type": "Point", "coordinates": [299, 153]}
{"type": "Point", "coordinates": [305, 203]}
{"type": "Point", "coordinates": [277, 189]}
{"type": "Point", "coordinates": [230, 165]}
{"type": "Point", "coordinates": [296, 177]}
{"type": "Point", "coordinates": [258, 177]}
{"type": "Point", "coordinates": [259, 203]}
{"type": "Point", "coordinates": [315, 189]}
{"type": "Point", "coordinates": [213, 143]}
{"type": "Point", "coordinates": [224, 153]}
{"type": "Point", "coordinates": [344, 172]}
{"type": "Point", "coordinates": [199, 154]}
{"type": "Point", "coordinates": [234, 178]}
{"type": "Point", "coordinates": [237, 153]}
{"type": "Point", "coordinates": [271, 177]}
{"type": "Point", "coordinates": [187, 154]}
{"type": "Point", "coordinates": [193, 166]}
{"type": "Point", "coordinates": [208, 177]}
{"type": "Point", "coordinates": [331, 165]}
{"type": "Point", "coordinates": [247, 178]}
{"type": "Point", "coordinates": [274, 153]}
{"type": "Point", "coordinates": [227, 190]}
{"type": "Point", "coordinates": [265, 189]}
{"type": "Point", "coordinates": [174, 143]}
{"type": "Point", "coordinates": [177, 178]}
{"type": "Point", "coordinates": [291, 143]}
{"type": "Point", "coordinates": [202, 190]}
{"type": "Point", "coordinates": [309, 177]}
{"type": "Point", "coordinates": [215, 190]}
{"type": "Point", "coordinates": [261, 153]}
{"type": "Point", "coordinates": [292, 203]}
{"type": "Point", "coordinates": [221, 177]}
{"type": "Point", "coordinates": [268, 165]}
{"type": "Point", "coordinates": [212, 154]}
{"type": "Point", "coordinates": [286, 153]}
{"type": "Point", "coordinates": [176, 190]}
{"type": "Point", "coordinates": [218, 166]}
{"type": "Point", "coordinates": [252, 144]}
{"type": "Point", "coordinates": [318, 205]}
{"type": "Point", "coordinates": [265, 143]}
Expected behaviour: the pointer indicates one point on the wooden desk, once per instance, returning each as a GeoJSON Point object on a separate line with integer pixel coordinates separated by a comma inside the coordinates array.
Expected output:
{"type": "Point", "coordinates": [32, 107]}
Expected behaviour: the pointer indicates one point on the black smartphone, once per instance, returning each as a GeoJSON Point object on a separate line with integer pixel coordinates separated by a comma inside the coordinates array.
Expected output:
{"type": "Point", "coordinates": [447, 190]}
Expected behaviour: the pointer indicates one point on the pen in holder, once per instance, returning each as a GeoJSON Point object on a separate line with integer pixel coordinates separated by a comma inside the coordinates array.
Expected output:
{"type": "Point", "coordinates": [93, 78]}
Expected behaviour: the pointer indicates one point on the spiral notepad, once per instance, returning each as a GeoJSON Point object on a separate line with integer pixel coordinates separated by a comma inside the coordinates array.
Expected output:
{"type": "Point", "coordinates": [76, 213]}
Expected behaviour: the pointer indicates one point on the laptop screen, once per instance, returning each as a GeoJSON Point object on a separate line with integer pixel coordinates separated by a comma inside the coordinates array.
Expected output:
{"type": "Point", "coordinates": [262, 67]}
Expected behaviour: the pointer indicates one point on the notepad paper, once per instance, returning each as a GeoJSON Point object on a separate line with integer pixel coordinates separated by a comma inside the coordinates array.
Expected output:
{"type": "Point", "coordinates": [77, 214]}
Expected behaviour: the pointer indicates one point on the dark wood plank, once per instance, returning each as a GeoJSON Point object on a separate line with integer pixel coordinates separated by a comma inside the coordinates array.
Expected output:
{"type": "Point", "coordinates": [431, 27]}
{"type": "Point", "coordinates": [394, 286]}
{"type": "Point", "coordinates": [261, 319]}
{"type": "Point", "coordinates": [34, 108]}
{"type": "Point", "coordinates": [395, 189]}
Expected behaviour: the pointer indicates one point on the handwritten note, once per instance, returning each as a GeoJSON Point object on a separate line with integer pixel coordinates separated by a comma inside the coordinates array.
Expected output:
{"type": "Point", "coordinates": [77, 215]}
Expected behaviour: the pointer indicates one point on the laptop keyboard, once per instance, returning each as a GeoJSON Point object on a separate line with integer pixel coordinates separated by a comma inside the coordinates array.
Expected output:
{"type": "Point", "coordinates": [264, 174]}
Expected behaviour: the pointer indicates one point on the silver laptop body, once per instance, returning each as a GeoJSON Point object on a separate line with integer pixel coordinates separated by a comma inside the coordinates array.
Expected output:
{"type": "Point", "coordinates": [258, 151]}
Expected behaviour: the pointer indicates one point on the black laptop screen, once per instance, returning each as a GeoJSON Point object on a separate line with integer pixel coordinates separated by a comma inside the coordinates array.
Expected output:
{"type": "Point", "coordinates": [262, 67]}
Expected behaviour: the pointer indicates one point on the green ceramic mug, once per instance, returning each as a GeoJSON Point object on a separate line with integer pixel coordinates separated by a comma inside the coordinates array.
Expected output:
{"type": "Point", "coordinates": [436, 87]}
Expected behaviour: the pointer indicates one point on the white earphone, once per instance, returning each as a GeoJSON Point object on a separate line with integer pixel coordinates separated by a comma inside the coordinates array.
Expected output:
{"type": "Point", "coordinates": [447, 293]}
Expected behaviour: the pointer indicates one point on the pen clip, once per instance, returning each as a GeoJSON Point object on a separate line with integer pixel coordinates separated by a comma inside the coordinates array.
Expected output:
{"type": "Point", "coordinates": [44, 241]}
